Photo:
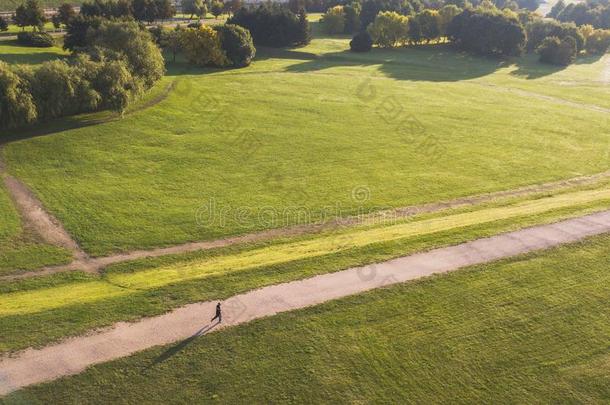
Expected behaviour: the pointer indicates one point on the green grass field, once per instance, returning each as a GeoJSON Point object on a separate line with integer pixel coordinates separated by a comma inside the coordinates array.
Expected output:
{"type": "Point", "coordinates": [20, 251]}
{"type": "Point", "coordinates": [42, 310]}
{"type": "Point", "coordinates": [425, 124]}
{"type": "Point", "coordinates": [12, 52]}
{"type": "Point", "coordinates": [529, 330]}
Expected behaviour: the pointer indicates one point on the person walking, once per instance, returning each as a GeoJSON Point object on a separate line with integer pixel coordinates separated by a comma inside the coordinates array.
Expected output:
{"type": "Point", "coordinates": [218, 314]}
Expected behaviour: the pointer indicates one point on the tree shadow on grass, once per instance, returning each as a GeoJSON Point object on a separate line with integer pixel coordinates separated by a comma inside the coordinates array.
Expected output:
{"type": "Point", "coordinates": [173, 350]}
{"type": "Point", "coordinates": [432, 63]}
{"type": "Point", "coordinates": [529, 66]}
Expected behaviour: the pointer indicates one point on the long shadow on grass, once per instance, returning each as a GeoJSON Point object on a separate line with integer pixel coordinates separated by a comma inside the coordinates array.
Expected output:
{"type": "Point", "coordinates": [432, 63]}
{"type": "Point", "coordinates": [172, 351]}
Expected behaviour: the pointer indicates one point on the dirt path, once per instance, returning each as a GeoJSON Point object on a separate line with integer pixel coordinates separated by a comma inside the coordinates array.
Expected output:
{"type": "Point", "coordinates": [84, 263]}
{"type": "Point", "coordinates": [35, 218]}
{"type": "Point", "coordinates": [74, 355]}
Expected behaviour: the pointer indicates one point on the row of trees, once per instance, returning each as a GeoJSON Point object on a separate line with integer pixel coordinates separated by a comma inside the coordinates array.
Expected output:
{"type": "Point", "coordinates": [592, 12]}
{"type": "Point", "coordinates": [118, 62]}
{"type": "Point", "coordinates": [218, 46]}
{"type": "Point", "coordinates": [274, 25]}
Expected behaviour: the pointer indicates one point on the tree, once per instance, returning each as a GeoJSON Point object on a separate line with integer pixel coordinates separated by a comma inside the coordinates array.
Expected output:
{"type": "Point", "coordinates": [237, 43]}
{"type": "Point", "coordinates": [145, 10]}
{"type": "Point", "coordinates": [333, 21]}
{"type": "Point", "coordinates": [202, 47]}
{"type": "Point", "coordinates": [65, 13]}
{"type": "Point", "coordinates": [556, 9]}
{"type": "Point", "coordinates": [216, 8]}
{"type": "Point", "coordinates": [76, 31]}
{"type": "Point", "coordinates": [170, 40]}
{"type": "Point", "coordinates": [361, 42]}
{"type": "Point", "coordinates": [389, 29]}
{"type": "Point", "coordinates": [273, 25]}
{"type": "Point", "coordinates": [3, 24]}
{"type": "Point", "coordinates": [233, 6]}
{"type": "Point", "coordinates": [558, 51]}
{"type": "Point", "coordinates": [16, 104]}
{"type": "Point", "coordinates": [165, 9]}
{"type": "Point", "coordinates": [30, 14]}
{"type": "Point", "coordinates": [487, 32]}
{"type": "Point", "coordinates": [143, 57]}
{"type": "Point", "coordinates": [446, 15]}
{"type": "Point", "coordinates": [597, 41]}
{"type": "Point", "coordinates": [194, 7]}
{"type": "Point", "coordinates": [352, 17]}
{"type": "Point", "coordinates": [540, 29]}
{"type": "Point", "coordinates": [424, 26]}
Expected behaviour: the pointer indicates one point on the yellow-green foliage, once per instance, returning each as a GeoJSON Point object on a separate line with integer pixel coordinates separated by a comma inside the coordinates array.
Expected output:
{"type": "Point", "coordinates": [389, 29]}
{"type": "Point", "coordinates": [120, 284]}
{"type": "Point", "coordinates": [333, 20]}
{"type": "Point", "coordinates": [202, 47]}
{"type": "Point", "coordinates": [597, 41]}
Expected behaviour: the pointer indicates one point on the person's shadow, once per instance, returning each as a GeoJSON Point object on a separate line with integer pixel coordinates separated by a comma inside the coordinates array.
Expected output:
{"type": "Point", "coordinates": [173, 350]}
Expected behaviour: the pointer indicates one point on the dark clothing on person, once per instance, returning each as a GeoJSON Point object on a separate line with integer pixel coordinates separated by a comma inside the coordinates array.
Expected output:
{"type": "Point", "coordinates": [218, 314]}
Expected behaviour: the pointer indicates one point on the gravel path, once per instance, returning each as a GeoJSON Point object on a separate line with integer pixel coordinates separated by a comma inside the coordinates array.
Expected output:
{"type": "Point", "coordinates": [74, 355]}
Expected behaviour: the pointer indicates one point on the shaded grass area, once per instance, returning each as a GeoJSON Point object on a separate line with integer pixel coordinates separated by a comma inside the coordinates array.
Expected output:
{"type": "Point", "coordinates": [13, 53]}
{"type": "Point", "coordinates": [532, 329]}
{"type": "Point", "coordinates": [116, 304]}
{"type": "Point", "coordinates": [432, 131]}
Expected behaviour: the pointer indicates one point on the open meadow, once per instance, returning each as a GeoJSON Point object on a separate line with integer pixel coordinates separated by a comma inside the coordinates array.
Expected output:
{"type": "Point", "coordinates": [310, 161]}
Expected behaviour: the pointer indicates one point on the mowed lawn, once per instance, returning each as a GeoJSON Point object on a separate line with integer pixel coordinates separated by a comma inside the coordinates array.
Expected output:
{"type": "Point", "coordinates": [529, 330]}
{"type": "Point", "coordinates": [12, 52]}
{"type": "Point", "coordinates": [20, 251]}
{"type": "Point", "coordinates": [316, 130]}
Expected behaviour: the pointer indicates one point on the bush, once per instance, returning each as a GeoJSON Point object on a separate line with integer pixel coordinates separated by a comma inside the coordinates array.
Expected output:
{"type": "Point", "coordinates": [3, 24]}
{"type": "Point", "coordinates": [333, 21]}
{"type": "Point", "coordinates": [273, 25]}
{"type": "Point", "coordinates": [425, 26]}
{"type": "Point", "coordinates": [597, 42]}
{"type": "Point", "coordinates": [446, 15]}
{"type": "Point", "coordinates": [361, 42]}
{"type": "Point", "coordinates": [352, 17]}
{"type": "Point", "coordinates": [538, 30]}
{"type": "Point", "coordinates": [143, 57]}
{"type": "Point", "coordinates": [16, 104]}
{"type": "Point", "coordinates": [487, 32]}
{"type": "Point", "coordinates": [389, 29]}
{"type": "Point", "coordinates": [558, 51]}
{"type": "Point", "coordinates": [37, 39]}
{"type": "Point", "coordinates": [202, 47]}
{"type": "Point", "coordinates": [58, 90]}
{"type": "Point", "coordinates": [76, 31]}
{"type": "Point", "coordinates": [237, 43]}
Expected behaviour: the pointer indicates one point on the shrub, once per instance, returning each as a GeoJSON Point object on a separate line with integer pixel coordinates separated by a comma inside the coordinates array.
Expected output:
{"type": "Point", "coordinates": [76, 31]}
{"type": "Point", "coordinates": [143, 57]}
{"type": "Point", "coordinates": [352, 18]}
{"type": "Point", "coordinates": [59, 90]}
{"type": "Point", "coordinates": [273, 25]}
{"type": "Point", "coordinates": [540, 29]}
{"type": "Point", "coordinates": [389, 29]}
{"type": "Point", "coordinates": [333, 21]}
{"type": "Point", "coordinates": [361, 42]}
{"type": "Point", "coordinates": [16, 104]}
{"type": "Point", "coordinates": [237, 43]}
{"type": "Point", "coordinates": [30, 14]}
{"type": "Point", "coordinates": [597, 41]}
{"type": "Point", "coordinates": [3, 24]}
{"type": "Point", "coordinates": [558, 51]}
{"type": "Point", "coordinates": [487, 32]}
{"type": "Point", "coordinates": [202, 47]}
{"type": "Point", "coordinates": [37, 39]}
{"type": "Point", "coordinates": [425, 26]}
{"type": "Point", "coordinates": [446, 15]}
